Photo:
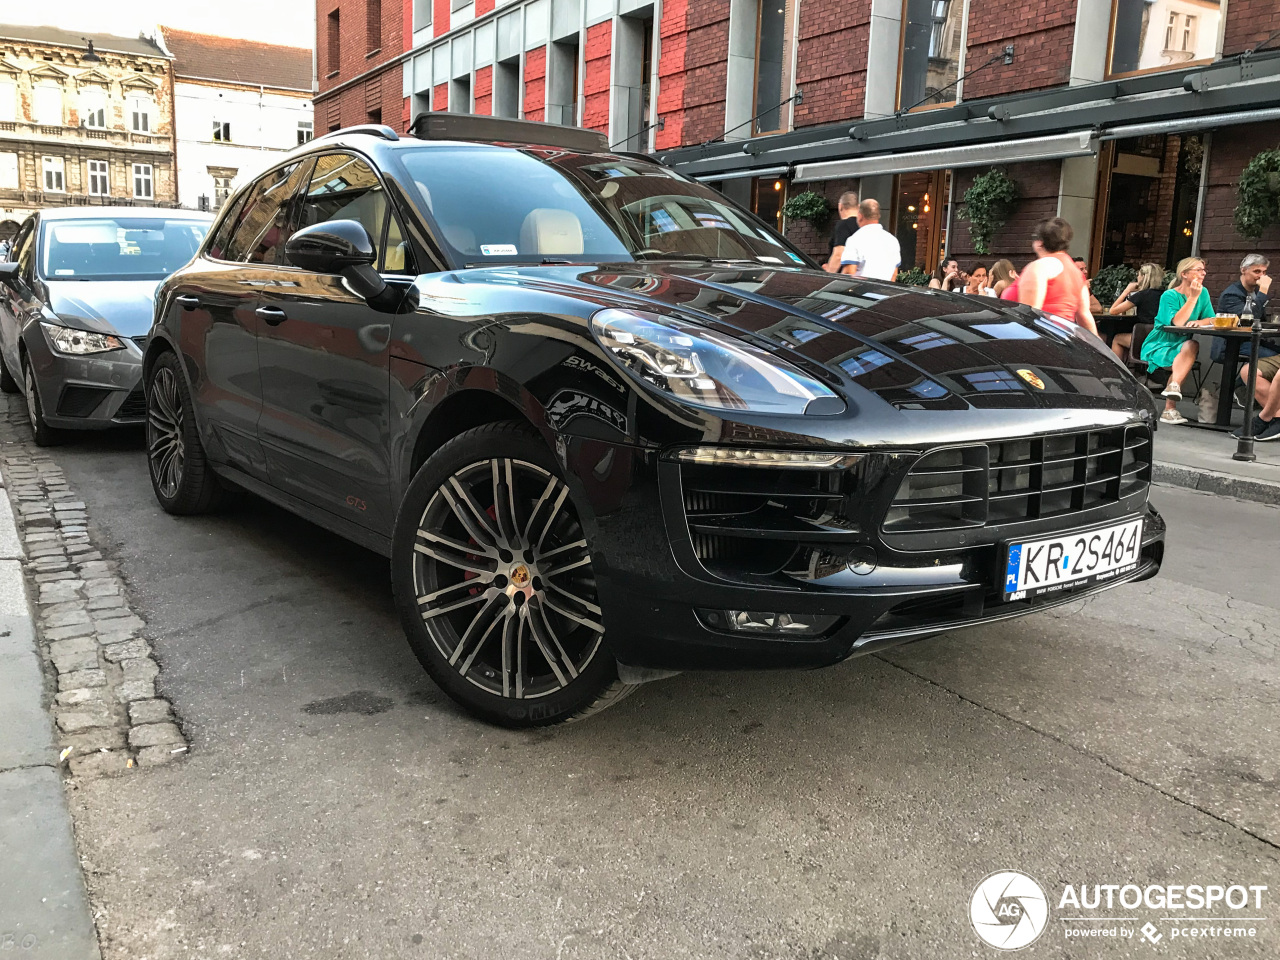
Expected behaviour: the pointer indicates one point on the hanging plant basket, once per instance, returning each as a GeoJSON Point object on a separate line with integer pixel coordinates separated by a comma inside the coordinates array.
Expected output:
{"type": "Point", "coordinates": [987, 205]}
{"type": "Point", "coordinates": [1258, 195]}
{"type": "Point", "coordinates": [810, 206]}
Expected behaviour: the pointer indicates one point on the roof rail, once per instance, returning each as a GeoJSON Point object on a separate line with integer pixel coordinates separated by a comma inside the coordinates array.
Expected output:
{"type": "Point", "coordinates": [371, 129]}
{"type": "Point", "coordinates": [442, 125]}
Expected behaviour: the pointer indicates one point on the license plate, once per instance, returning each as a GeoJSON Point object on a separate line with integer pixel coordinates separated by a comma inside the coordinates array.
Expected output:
{"type": "Point", "coordinates": [1038, 567]}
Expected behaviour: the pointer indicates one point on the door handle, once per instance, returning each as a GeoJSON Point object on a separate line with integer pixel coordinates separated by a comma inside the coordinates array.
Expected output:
{"type": "Point", "coordinates": [272, 316]}
{"type": "Point", "coordinates": [188, 302]}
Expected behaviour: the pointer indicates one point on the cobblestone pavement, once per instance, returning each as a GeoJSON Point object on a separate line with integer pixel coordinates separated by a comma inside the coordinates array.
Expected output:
{"type": "Point", "coordinates": [108, 714]}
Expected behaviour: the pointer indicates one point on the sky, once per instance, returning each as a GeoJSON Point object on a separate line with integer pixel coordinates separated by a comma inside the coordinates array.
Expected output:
{"type": "Point", "coordinates": [289, 22]}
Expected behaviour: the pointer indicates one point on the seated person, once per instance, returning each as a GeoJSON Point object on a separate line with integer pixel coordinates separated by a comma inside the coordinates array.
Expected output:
{"type": "Point", "coordinates": [1186, 304]}
{"type": "Point", "coordinates": [1266, 425]}
{"type": "Point", "coordinates": [1139, 302]}
{"type": "Point", "coordinates": [1254, 283]}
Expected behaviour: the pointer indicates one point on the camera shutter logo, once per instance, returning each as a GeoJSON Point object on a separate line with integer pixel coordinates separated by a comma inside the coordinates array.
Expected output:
{"type": "Point", "coordinates": [1009, 910]}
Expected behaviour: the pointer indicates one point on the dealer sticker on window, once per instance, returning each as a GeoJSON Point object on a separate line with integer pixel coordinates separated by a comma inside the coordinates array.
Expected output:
{"type": "Point", "coordinates": [1072, 560]}
{"type": "Point", "coordinates": [499, 249]}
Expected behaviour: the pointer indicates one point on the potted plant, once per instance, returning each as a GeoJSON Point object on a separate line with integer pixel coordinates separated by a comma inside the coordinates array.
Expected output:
{"type": "Point", "coordinates": [810, 206]}
{"type": "Point", "coordinates": [1258, 194]}
{"type": "Point", "coordinates": [987, 205]}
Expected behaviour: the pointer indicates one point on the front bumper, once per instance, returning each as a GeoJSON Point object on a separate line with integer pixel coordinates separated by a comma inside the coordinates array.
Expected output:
{"type": "Point", "coordinates": [651, 586]}
{"type": "Point", "coordinates": [87, 393]}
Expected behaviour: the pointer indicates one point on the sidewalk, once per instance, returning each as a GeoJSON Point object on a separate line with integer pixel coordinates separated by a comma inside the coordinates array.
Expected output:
{"type": "Point", "coordinates": [44, 912]}
{"type": "Point", "coordinates": [1201, 459]}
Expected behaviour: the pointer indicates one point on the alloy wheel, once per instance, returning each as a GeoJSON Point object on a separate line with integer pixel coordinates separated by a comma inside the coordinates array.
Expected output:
{"type": "Point", "coordinates": [165, 441]}
{"type": "Point", "coordinates": [504, 581]}
{"type": "Point", "coordinates": [33, 400]}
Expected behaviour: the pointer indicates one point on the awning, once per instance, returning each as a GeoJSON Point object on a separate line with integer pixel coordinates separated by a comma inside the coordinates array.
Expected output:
{"type": "Point", "coordinates": [781, 171]}
{"type": "Point", "coordinates": [1187, 124]}
{"type": "Point", "coordinates": [1078, 143]}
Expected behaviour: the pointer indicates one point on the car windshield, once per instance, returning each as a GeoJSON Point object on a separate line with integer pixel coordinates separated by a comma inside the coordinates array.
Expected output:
{"type": "Point", "coordinates": [495, 205]}
{"type": "Point", "coordinates": [118, 248]}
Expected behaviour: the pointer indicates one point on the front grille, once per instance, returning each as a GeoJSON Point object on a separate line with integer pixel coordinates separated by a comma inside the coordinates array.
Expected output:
{"type": "Point", "coordinates": [1015, 480]}
{"type": "Point", "coordinates": [134, 406]}
{"type": "Point", "coordinates": [762, 520]}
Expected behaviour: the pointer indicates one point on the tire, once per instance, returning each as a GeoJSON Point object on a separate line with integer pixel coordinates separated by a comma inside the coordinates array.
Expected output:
{"type": "Point", "coordinates": [515, 638]}
{"type": "Point", "coordinates": [7, 383]}
{"type": "Point", "coordinates": [181, 477]}
{"type": "Point", "coordinates": [43, 434]}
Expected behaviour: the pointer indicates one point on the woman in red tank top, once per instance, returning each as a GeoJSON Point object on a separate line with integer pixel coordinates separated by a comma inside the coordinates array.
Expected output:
{"type": "Point", "coordinates": [1052, 282]}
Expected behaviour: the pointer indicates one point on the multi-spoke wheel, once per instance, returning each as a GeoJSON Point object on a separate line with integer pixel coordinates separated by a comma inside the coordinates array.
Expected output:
{"type": "Point", "coordinates": [495, 584]}
{"type": "Point", "coordinates": [43, 434]}
{"type": "Point", "coordinates": [180, 476]}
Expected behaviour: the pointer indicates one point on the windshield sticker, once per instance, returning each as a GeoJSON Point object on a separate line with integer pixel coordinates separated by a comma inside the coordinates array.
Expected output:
{"type": "Point", "coordinates": [499, 249]}
{"type": "Point", "coordinates": [64, 273]}
{"type": "Point", "coordinates": [795, 256]}
{"type": "Point", "coordinates": [768, 259]}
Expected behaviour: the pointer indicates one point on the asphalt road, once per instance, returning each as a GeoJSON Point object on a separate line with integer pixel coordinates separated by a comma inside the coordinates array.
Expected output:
{"type": "Point", "coordinates": [334, 804]}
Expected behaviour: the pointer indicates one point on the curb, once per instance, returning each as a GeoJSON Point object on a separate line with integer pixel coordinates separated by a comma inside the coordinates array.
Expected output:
{"type": "Point", "coordinates": [44, 907]}
{"type": "Point", "coordinates": [1211, 481]}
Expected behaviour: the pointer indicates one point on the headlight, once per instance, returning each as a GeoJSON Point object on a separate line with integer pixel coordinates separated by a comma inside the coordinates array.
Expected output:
{"type": "Point", "coordinates": [79, 342]}
{"type": "Point", "coordinates": [702, 367]}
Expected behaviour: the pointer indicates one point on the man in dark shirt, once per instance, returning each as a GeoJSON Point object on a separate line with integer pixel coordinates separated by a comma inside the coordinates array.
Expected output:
{"type": "Point", "coordinates": [1254, 283]}
{"type": "Point", "coordinates": [844, 229]}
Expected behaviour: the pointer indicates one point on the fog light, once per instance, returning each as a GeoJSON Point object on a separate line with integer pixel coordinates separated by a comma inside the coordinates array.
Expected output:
{"type": "Point", "coordinates": [770, 624]}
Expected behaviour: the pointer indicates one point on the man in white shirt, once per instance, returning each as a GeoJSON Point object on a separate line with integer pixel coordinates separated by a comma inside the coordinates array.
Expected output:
{"type": "Point", "coordinates": [873, 251]}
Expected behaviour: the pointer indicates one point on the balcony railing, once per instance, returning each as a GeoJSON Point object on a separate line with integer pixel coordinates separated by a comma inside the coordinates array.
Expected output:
{"type": "Point", "coordinates": [21, 130]}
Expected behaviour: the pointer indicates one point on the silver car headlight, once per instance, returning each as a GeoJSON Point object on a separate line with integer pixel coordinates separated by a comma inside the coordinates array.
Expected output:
{"type": "Point", "coordinates": [78, 343]}
{"type": "Point", "coordinates": [703, 367]}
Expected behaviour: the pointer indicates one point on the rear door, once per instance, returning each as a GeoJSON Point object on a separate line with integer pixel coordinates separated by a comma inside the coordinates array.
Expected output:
{"type": "Point", "coordinates": [18, 302]}
{"type": "Point", "coordinates": [324, 359]}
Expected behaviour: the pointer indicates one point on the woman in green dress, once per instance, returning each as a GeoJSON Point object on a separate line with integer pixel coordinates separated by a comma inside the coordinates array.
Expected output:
{"type": "Point", "coordinates": [1185, 304]}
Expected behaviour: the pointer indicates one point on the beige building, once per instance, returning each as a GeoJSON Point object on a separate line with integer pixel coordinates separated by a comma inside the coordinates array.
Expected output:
{"type": "Point", "coordinates": [81, 123]}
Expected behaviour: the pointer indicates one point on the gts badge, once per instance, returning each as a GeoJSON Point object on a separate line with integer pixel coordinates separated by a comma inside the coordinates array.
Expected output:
{"type": "Point", "coordinates": [578, 363]}
{"type": "Point", "coordinates": [357, 504]}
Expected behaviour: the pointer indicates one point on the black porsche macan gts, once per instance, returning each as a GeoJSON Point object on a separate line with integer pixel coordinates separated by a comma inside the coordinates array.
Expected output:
{"type": "Point", "coordinates": [607, 425]}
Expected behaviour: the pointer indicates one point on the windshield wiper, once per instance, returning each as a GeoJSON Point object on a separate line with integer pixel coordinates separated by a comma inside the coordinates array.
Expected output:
{"type": "Point", "coordinates": [652, 255]}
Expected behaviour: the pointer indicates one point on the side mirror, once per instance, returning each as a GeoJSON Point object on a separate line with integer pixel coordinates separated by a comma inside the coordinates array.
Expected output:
{"type": "Point", "coordinates": [343, 247]}
{"type": "Point", "coordinates": [8, 273]}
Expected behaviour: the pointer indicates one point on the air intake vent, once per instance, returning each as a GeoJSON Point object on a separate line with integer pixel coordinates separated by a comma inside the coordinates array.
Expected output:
{"type": "Point", "coordinates": [1026, 479]}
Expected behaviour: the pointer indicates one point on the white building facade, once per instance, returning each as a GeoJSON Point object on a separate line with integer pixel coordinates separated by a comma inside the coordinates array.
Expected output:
{"type": "Point", "coordinates": [237, 106]}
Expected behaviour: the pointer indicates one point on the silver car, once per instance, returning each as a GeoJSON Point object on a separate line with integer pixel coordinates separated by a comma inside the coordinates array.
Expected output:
{"type": "Point", "coordinates": [76, 301]}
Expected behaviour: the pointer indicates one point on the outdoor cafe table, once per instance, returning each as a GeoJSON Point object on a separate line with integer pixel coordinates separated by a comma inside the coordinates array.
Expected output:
{"type": "Point", "coordinates": [1233, 336]}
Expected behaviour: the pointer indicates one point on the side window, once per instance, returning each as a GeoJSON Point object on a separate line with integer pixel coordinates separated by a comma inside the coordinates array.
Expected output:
{"type": "Point", "coordinates": [397, 258]}
{"type": "Point", "coordinates": [263, 222]}
{"type": "Point", "coordinates": [344, 187]}
{"type": "Point", "coordinates": [26, 253]}
{"type": "Point", "coordinates": [224, 229]}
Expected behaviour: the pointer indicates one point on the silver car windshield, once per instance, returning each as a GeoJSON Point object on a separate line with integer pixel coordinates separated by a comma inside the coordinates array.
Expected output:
{"type": "Point", "coordinates": [118, 248]}
{"type": "Point", "coordinates": [501, 205]}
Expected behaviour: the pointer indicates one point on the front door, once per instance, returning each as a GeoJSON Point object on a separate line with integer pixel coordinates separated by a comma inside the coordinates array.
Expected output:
{"type": "Point", "coordinates": [324, 361]}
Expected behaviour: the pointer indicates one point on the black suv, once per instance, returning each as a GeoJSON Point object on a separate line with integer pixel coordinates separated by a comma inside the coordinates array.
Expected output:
{"type": "Point", "coordinates": [607, 425]}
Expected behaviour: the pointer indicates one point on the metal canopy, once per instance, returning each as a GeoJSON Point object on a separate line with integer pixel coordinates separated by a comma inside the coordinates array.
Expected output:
{"type": "Point", "coordinates": [1239, 86]}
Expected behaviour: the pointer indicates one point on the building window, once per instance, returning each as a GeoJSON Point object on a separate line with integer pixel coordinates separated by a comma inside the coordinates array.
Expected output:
{"type": "Point", "coordinates": [1163, 34]}
{"type": "Point", "coordinates": [99, 182]}
{"type": "Point", "coordinates": [8, 100]}
{"type": "Point", "coordinates": [8, 171]}
{"type": "Point", "coordinates": [306, 130]}
{"type": "Point", "coordinates": [54, 179]}
{"type": "Point", "coordinates": [93, 109]}
{"type": "Point", "coordinates": [48, 104]}
{"type": "Point", "coordinates": [422, 11]}
{"type": "Point", "coordinates": [221, 131]}
{"type": "Point", "coordinates": [140, 114]}
{"type": "Point", "coordinates": [142, 181]}
{"type": "Point", "coordinates": [221, 190]}
{"type": "Point", "coordinates": [771, 43]}
{"type": "Point", "coordinates": [335, 41]}
{"type": "Point", "coordinates": [373, 25]}
{"type": "Point", "coordinates": [930, 52]}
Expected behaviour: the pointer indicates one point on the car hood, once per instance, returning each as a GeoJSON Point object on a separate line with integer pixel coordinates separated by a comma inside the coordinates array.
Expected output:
{"type": "Point", "coordinates": [881, 344]}
{"type": "Point", "coordinates": [123, 307]}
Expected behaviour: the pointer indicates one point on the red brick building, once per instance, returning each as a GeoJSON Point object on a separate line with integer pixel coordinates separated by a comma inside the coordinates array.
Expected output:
{"type": "Point", "coordinates": [1132, 118]}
